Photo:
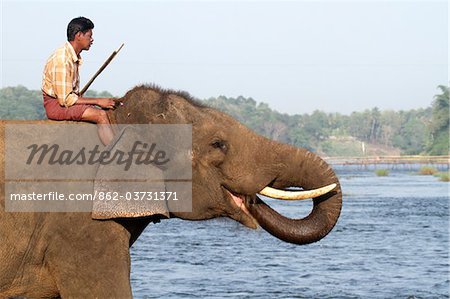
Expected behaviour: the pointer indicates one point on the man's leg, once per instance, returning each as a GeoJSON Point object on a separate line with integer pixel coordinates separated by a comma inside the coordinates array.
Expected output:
{"type": "Point", "coordinates": [100, 117]}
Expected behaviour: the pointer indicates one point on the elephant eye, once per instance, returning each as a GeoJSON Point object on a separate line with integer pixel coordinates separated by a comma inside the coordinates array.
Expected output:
{"type": "Point", "coordinates": [220, 144]}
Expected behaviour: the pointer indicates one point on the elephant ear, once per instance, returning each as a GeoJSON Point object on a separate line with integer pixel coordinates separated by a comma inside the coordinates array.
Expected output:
{"type": "Point", "coordinates": [126, 190]}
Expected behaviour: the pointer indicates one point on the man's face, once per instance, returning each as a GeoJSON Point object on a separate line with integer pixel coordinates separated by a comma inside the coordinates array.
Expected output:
{"type": "Point", "coordinates": [85, 39]}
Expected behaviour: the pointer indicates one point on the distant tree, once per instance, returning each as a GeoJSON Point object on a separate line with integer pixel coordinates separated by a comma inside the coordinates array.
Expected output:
{"type": "Point", "coordinates": [95, 94]}
{"type": "Point", "coordinates": [20, 103]}
{"type": "Point", "coordinates": [439, 126]}
{"type": "Point", "coordinates": [391, 122]}
{"type": "Point", "coordinates": [360, 125]}
{"type": "Point", "coordinates": [411, 137]}
{"type": "Point", "coordinates": [375, 124]}
{"type": "Point", "coordinates": [338, 124]}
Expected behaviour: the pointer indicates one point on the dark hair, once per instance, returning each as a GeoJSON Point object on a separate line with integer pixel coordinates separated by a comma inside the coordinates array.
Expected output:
{"type": "Point", "coordinates": [80, 24]}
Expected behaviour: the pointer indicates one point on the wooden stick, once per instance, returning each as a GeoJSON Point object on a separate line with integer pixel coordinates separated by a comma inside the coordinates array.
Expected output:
{"type": "Point", "coordinates": [110, 58]}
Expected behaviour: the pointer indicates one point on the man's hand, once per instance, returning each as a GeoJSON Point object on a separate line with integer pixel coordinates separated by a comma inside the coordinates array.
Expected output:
{"type": "Point", "coordinates": [107, 103]}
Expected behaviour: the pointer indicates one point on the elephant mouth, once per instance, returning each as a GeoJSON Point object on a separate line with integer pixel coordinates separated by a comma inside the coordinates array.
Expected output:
{"type": "Point", "coordinates": [241, 212]}
{"type": "Point", "coordinates": [252, 212]}
{"type": "Point", "coordinates": [244, 204]}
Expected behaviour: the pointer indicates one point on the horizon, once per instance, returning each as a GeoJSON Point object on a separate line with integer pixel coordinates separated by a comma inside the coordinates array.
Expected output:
{"type": "Point", "coordinates": [259, 102]}
{"type": "Point", "coordinates": [296, 56]}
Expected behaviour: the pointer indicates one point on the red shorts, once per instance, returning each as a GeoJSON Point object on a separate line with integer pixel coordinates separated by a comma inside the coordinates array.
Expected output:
{"type": "Point", "coordinates": [57, 112]}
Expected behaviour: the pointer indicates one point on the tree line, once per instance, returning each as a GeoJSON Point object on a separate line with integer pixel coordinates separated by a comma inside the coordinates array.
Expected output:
{"type": "Point", "coordinates": [413, 132]}
{"type": "Point", "coordinates": [416, 131]}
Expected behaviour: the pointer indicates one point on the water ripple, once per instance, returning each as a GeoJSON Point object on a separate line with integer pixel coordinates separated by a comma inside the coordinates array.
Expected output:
{"type": "Point", "coordinates": [390, 242]}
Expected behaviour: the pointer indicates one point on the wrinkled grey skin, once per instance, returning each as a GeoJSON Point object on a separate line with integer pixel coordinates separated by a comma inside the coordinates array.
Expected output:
{"type": "Point", "coordinates": [50, 255]}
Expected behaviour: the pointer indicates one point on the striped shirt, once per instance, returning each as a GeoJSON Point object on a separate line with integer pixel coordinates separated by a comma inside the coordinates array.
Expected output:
{"type": "Point", "coordinates": [61, 79]}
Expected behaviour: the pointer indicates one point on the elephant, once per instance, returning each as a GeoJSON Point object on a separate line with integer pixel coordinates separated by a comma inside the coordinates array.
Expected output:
{"type": "Point", "coordinates": [52, 255]}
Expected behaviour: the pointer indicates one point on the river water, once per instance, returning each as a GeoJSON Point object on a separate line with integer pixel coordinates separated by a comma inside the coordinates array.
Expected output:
{"type": "Point", "coordinates": [391, 241]}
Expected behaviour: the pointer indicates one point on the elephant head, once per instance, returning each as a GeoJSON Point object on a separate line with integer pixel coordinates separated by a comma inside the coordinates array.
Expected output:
{"type": "Point", "coordinates": [231, 164]}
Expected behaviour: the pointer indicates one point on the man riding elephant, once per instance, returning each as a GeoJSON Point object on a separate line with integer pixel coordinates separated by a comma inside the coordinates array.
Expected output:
{"type": "Point", "coordinates": [86, 254]}
{"type": "Point", "coordinates": [61, 82]}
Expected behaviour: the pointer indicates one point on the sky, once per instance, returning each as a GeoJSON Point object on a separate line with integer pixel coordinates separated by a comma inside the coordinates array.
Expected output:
{"type": "Point", "coordinates": [297, 56]}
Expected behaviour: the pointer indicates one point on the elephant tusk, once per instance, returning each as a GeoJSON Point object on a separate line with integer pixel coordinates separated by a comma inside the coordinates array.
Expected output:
{"type": "Point", "coordinates": [296, 195]}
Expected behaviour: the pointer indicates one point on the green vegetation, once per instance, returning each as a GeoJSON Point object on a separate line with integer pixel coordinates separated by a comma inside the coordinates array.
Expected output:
{"type": "Point", "coordinates": [439, 128]}
{"type": "Point", "coordinates": [335, 134]}
{"type": "Point", "coordinates": [342, 147]}
{"type": "Point", "coordinates": [444, 177]}
{"type": "Point", "coordinates": [370, 132]}
{"type": "Point", "coordinates": [21, 103]}
{"type": "Point", "coordinates": [95, 94]}
{"type": "Point", "coordinates": [382, 172]}
{"type": "Point", "coordinates": [427, 170]}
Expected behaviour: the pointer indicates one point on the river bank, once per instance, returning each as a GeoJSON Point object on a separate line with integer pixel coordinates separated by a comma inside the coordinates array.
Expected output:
{"type": "Point", "coordinates": [441, 163]}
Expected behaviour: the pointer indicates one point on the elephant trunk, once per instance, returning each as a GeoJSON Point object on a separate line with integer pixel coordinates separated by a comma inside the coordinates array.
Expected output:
{"type": "Point", "coordinates": [308, 171]}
